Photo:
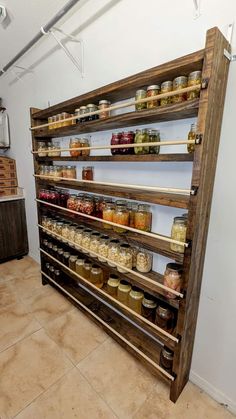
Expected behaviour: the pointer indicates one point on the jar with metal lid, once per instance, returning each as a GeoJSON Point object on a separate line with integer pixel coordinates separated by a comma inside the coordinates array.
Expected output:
{"type": "Point", "coordinates": [50, 121]}
{"type": "Point", "coordinates": [66, 257]}
{"type": "Point", "coordinates": [103, 105]}
{"type": "Point", "coordinates": [132, 208]}
{"type": "Point", "coordinates": [127, 138]}
{"type": "Point", "coordinates": [77, 113]}
{"type": "Point", "coordinates": [87, 173]}
{"type": "Point", "coordinates": [44, 220]}
{"type": "Point", "coordinates": [96, 276]}
{"type": "Point", "coordinates": [143, 218]}
{"type": "Point", "coordinates": [84, 142]}
{"type": "Point", "coordinates": [57, 173]}
{"type": "Point", "coordinates": [140, 94]}
{"type": "Point", "coordinates": [87, 266]}
{"type": "Point", "coordinates": [134, 251]}
{"type": "Point", "coordinates": [194, 78]}
{"type": "Point", "coordinates": [112, 285]}
{"type": "Point", "coordinates": [69, 172]}
{"type": "Point", "coordinates": [148, 307]}
{"type": "Point", "coordinates": [55, 148]}
{"type": "Point", "coordinates": [94, 243]}
{"type": "Point", "coordinates": [51, 271]}
{"type": "Point", "coordinates": [115, 140]}
{"type": "Point", "coordinates": [141, 136]}
{"type": "Point", "coordinates": [92, 108]}
{"type": "Point", "coordinates": [79, 202]}
{"type": "Point", "coordinates": [78, 235]}
{"type": "Point", "coordinates": [192, 136]}
{"type": "Point", "coordinates": [135, 299]}
{"type": "Point", "coordinates": [79, 266]}
{"type": "Point", "coordinates": [123, 291]}
{"type": "Point", "coordinates": [60, 253]}
{"type": "Point", "coordinates": [166, 359]}
{"type": "Point", "coordinates": [180, 83]}
{"type": "Point", "coordinates": [166, 86]}
{"type": "Point", "coordinates": [50, 246]}
{"type": "Point", "coordinates": [57, 275]}
{"type": "Point", "coordinates": [42, 149]}
{"type": "Point", "coordinates": [154, 136]}
{"type": "Point", "coordinates": [64, 195]}
{"type": "Point", "coordinates": [72, 262]}
{"type": "Point", "coordinates": [42, 194]}
{"type": "Point", "coordinates": [45, 244]}
{"type": "Point", "coordinates": [59, 226]}
{"type": "Point", "coordinates": [173, 278]}
{"type": "Point", "coordinates": [178, 232]}
{"type": "Point", "coordinates": [113, 251]}
{"type": "Point", "coordinates": [103, 248]}
{"type": "Point", "coordinates": [65, 230]}
{"type": "Point", "coordinates": [71, 203]}
{"type": "Point", "coordinates": [65, 115]}
{"type": "Point", "coordinates": [120, 216]}
{"type": "Point", "coordinates": [54, 250]}
{"type": "Point", "coordinates": [71, 233]}
{"type": "Point", "coordinates": [83, 111]}
{"type": "Point", "coordinates": [164, 318]}
{"type": "Point", "coordinates": [74, 143]}
{"type": "Point", "coordinates": [153, 90]}
{"type": "Point", "coordinates": [108, 213]}
{"type": "Point", "coordinates": [88, 205]}
{"type": "Point", "coordinates": [144, 261]}
{"type": "Point", "coordinates": [85, 242]}
{"type": "Point", "coordinates": [125, 257]}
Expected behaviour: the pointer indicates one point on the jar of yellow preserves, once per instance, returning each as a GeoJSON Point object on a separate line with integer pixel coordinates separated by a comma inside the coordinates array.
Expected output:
{"type": "Point", "coordinates": [178, 232]}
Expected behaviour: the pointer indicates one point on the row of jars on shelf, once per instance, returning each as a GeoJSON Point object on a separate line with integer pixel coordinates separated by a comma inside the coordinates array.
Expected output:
{"type": "Point", "coordinates": [168, 86]}
{"type": "Point", "coordinates": [53, 149]}
{"type": "Point", "coordinates": [133, 297]}
{"type": "Point", "coordinates": [67, 172]}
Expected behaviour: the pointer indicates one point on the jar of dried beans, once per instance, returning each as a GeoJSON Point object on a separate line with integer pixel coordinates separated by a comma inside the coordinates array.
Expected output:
{"type": "Point", "coordinates": [144, 261]}
{"type": "Point", "coordinates": [125, 257]}
{"type": "Point", "coordinates": [104, 105]}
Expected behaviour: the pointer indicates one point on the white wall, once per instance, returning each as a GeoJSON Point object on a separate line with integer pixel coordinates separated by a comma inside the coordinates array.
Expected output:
{"type": "Point", "coordinates": [129, 37]}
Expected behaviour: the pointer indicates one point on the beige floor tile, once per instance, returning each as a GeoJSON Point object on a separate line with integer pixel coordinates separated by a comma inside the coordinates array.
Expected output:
{"type": "Point", "coordinates": [76, 334]}
{"type": "Point", "coordinates": [193, 403]}
{"type": "Point", "coordinates": [15, 324]}
{"type": "Point", "coordinates": [7, 294]}
{"type": "Point", "coordinates": [26, 285]}
{"type": "Point", "coordinates": [27, 369]}
{"type": "Point", "coordinates": [71, 397]}
{"type": "Point", "coordinates": [18, 267]}
{"type": "Point", "coordinates": [120, 379]}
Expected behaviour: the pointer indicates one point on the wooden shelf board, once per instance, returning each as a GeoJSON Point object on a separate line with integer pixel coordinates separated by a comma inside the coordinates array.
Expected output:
{"type": "Point", "coordinates": [170, 157]}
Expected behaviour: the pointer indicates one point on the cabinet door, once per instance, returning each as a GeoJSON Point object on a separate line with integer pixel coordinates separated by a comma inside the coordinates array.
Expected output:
{"type": "Point", "coordinates": [13, 231]}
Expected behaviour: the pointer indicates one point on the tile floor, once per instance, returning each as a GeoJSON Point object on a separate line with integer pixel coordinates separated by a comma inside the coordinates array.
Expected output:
{"type": "Point", "coordinates": [56, 364]}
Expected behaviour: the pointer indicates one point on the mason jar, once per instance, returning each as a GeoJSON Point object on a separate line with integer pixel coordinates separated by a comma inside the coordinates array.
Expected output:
{"type": "Point", "coordinates": [120, 216]}
{"type": "Point", "coordinates": [173, 278]}
{"type": "Point", "coordinates": [178, 232]}
{"type": "Point", "coordinates": [180, 83]}
{"type": "Point", "coordinates": [94, 243]}
{"type": "Point", "coordinates": [113, 252]}
{"type": "Point", "coordinates": [86, 237]}
{"type": "Point", "coordinates": [103, 248]}
{"type": "Point", "coordinates": [143, 218]}
{"type": "Point", "coordinates": [125, 257]}
{"type": "Point", "coordinates": [108, 213]}
{"type": "Point", "coordinates": [194, 78]}
{"type": "Point", "coordinates": [140, 94]}
{"type": "Point", "coordinates": [141, 136]}
{"type": "Point", "coordinates": [153, 90]}
{"type": "Point", "coordinates": [192, 136]}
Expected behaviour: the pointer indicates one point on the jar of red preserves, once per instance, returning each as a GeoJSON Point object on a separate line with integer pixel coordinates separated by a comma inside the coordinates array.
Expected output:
{"type": "Point", "coordinates": [54, 197]}
{"type": "Point", "coordinates": [88, 206]}
{"type": "Point", "coordinates": [115, 140]}
{"type": "Point", "coordinates": [64, 196]}
{"type": "Point", "coordinates": [79, 202]}
{"type": "Point", "coordinates": [87, 173]}
{"type": "Point", "coordinates": [71, 203]}
{"type": "Point", "coordinates": [127, 138]}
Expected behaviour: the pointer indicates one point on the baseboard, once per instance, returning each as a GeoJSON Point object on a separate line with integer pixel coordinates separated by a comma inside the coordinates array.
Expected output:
{"type": "Point", "coordinates": [213, 392]}
{"type": "Point", "coordinates": [35, 256]}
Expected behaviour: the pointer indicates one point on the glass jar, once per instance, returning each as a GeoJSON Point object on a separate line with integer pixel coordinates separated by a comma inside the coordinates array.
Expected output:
{"type": "Point", "coordinates": [127, 138]}
{"type": "Point", "coordinates": [153, 90]}
{"type": "Point", "coordinates": [112, 285]}
{"type": "Point", "coordinates": [192, 136]}
{"type": "Point", "coordinates": [154, 136]}
{"type": "Point", "coordinates": [74, 143]}
{"type": "Point", "coordinates": [57, 173]}
{"type": "Point", "coordinates": [173, 278]}
{"type": "Point", "coordinates": [92, 108]}
{"type": "Point", "coordinates": [87, 205]}
{"type": "Point", "coordinates": [63, 197]}
{"type": "Point", "coordinates": [108, 213]}
{"type": "Point", "coordinates": [143, 218]}
{"type": "Point", "coordinates": [54, 149]}
{"type": "Point", "coordinates": [87, 266]}
{"type": "Point", "coordinates": [148, 309]}
{"type": "Point", "coordinates": [134, 251]}
{"type": "Point", "coordinates": [132, 208]}
{"type": "Point", "coordinates": [180, 83]}
{"type": "Point", "coordinates": [51, 271]}
{"type": "Point", "coordinates": [144, 261]}
{"type": "Point", "coordinates": [50, 121]}
{"type": "Point", "coordinates": [79, 202]}
{"type": "Point", "coordinates": [140, 94]}
{"type": "Point", "coordinates": [135, 299]}
{"type": "Point", "coordinates": [42, 194]}
{"type": "Point", "coordinates": [44, 219]}
{"type": "Point", "coordinates": [59, 226]}
{"type": "Point", "coordinates": [84, 142]}
{"type": "Point", "coordinates": [50, 246]}
{"type": "Point", "coordinates": [77, 113]}
{"type": "Point", "coordinates": [71, 203]}
{"type": "Point", "coordinates": [94, 243]}
{"type": "Point", "coordinates": [166, 359]}
{"type": "Point", "coordinates": [97, 201]}
{"type": "Point", "coordinates": [113, 252]}
{"type": "Point", "coordinates": [54, 120]}
{"type": "Point", "coordinates": [141, 136]}
{"type": "Point", "coordinates": [71, 232]}
{"type": "Point", "coordinates": [60, 252]}
{"type": "Point", "coordinates": [85, 242]}
{"type": "Point", "coordinates": [57, 275]}
{"type": "Point", "coordinates": [42, 149]}
{"type": "Point", "coordinates": [45, 244]}
{"type": "Point", "coordinates": [103, 105]}
{"type": "Point", "coordinates": [96, 276]}
{"type": "Point", "coordinates": [65, 230]}
{"type": "Point", "coordinates": [194, 78]}
{"type": "Point", "coordinates": [65, 115]}
{"type": "Point", "coordinates": [82, 112]}
{"type": "Point", "coordinates": [72, 262]}
{"type": "Point", "coordinates": [125, 257]}
{"type": "Point", "coordinates": [166, 86]}
{"type": "Point", "coordinates": [79, 266]}
{"type": "Point", "coordinates": [115, 140]}
{"type": "Point", "coordinates": [66, 257]}
{"type": "Point", "coordinates": [178, 232]}
{"type": "Point", "coordinates": [164, 318]}
{"type": "Point", "coordinates": [87, 173]}
{"type": "Point", "coordinates": [78, 235]}
{"type": "Point", "coordinates": [103, 248]}
{"type": "Point", "coordinates": [123, 291]}
{"type": "Point", "coordinates": [120, 216]}
{"type": "Point", "coordinates": [69, 172]}
{"type": "Point", "coordinates": [53, 197]}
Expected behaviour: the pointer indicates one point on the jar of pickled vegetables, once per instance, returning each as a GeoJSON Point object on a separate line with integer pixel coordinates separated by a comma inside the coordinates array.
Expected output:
{"type": "Point", "coordinates": [153, 90]}
{"type": "Point", "coordinates": [144, 261]}
{"type": "Point", "coordinates": [126, 138]}
{"type": "Point", "coordinates": [115, 140]}
{"type": "Point", "coordinates": [92, 108]}
{"type": "Point", "coordinates": [79, 265]}
{"type": "Point", "coordinates": [143, 218]}
{"type": "Point", "coordinates": [74, 143]}
{"type": "Point", "coordinates": [112, 285]}
{"type": "Point", "coordinates": [148, 307]}
{"type": "Point", "coordinates": [166, 86]}
{"type": "Point", "coordinates": [104, 105]}
{"type": "Point", "coordinates": [125, 257]}
{"type": "Point", "coordinates": [87, 266]}
{"type": "Point", "coordinates": [180, 83]}
{"type": "Point", "coordinates": [94, 243]}
{"type": "Point", "coordinates": [164, 318]}
{"type": "Point", "coordinates": [88, 205]}
{"type": "Point", "coordinates": [141, 136]}
{"type": "Point", "coordinates": [85, 242]}
{"type": "Point", "coordinates": [135, 299]}
{"type": "Point", "coordinates": [178, 232]}
{"type": "Point", "coordinates": [120, 216]}
{"type": "Point", "coordinates": [84, 142]}
{"type": "Point", "coordinates": [113, 252]}
{"type": "Point", "coordinates": [194, 78]}
{"type": "Point", "coordinates": [71, 203]}
{"type": "Point", "coordinates": [132, 208]}
{"type": "Point", "coordinates": [42, 149]}
{"type": "Point", "coordinates": [140, 94]}
{"type": "Point", "coordinates": [123, 291]}
{"type": "Point", "coordinates": [108, 213]}
{"type": "Point", "coordinates": [154, 136]}
{"type": "Point", "coordinates": [173, 278]}
{"type": "Point", "coordinates": [103, 248]}
{"type": "Point", "coordinates": [192, 136]}
{"type": "Point", "coordinates": [96, 276]}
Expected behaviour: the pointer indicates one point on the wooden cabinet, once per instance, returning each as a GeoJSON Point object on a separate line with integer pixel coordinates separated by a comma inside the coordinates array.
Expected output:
{"type": "Point", "coordinates": [13, 231]}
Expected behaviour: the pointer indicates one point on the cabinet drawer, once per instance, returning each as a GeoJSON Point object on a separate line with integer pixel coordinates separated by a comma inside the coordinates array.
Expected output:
{"type": "Point", "coordinates": [8, 183]}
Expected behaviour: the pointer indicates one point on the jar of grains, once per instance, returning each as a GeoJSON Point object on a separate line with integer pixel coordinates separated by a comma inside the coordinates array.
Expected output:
{"type": "Point", "coordinates": [79, 266]}
{"type": "Point", "coordinates": [153, 90]}
{"type": "Point", "coordinates": [96, 276]}
{"type": "Point", "coordinates": [78, 235]}
{"type": "Point", "coordinates": [166, 359]}
{"type": "Point", "coordinates": [115, 140]}
{"type": "Point", "coordinates": [120, 216]}
{"type": "Point", "coordinates": [103, 248]}
{"type": "Point", "coordinates": [180, 83]}
{"type": "Point", "coordinates": [173, 278]}
{"type": "Point", "coordinates": [71, 203]}
{"type": "Point", "coordinates": [140, 94]}
{"type": "Point", "coordinates": [74, 143]}
{"type": "Point", "coordinates": [85, 242]}
{"type": "Point", "coordinates": [113, 252]}
{"type": "Point", "coordinates": [178, 232]}
{"type": "Point", "coordinates": [143, 218]}
{"type": "Point", "coordinates": [164, 318]}
{"type": "Point", "coordinates": [112, 285]}
{"type": "Point", "coordinates": [79, 202]}
{"type": "Point", "coordinates": [71, 234]}
{"type": "Point", "coordinates": [194, 78]}
{"type": "Point", "coordinates": [141, 136]}
{"type": "Point", "coordinates": [103, 105]}
{"type": "Point", "coordinates": [123, 291]}
{"type": "Point", "coordinates": [144, 261]}
{"type": "Point", "coordinates": [154, 136]}
{"type": "Point", "coordinates": [148, 307]}
{"type": "Point", "coordinates": [108, 213]}
{"type": "Point", "coordinates": [135, 299]}
{"type": "Point", "coordinates": [94, 243]}
{"type": "Point", "coordinates": [192, 136]}
{"type": "Point", "coordinates": [166, 86]}
{"type": "Point", "coordinates": [125, 257]}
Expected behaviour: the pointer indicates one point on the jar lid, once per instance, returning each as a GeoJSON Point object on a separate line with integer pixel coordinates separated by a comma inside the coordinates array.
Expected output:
{"type": "Point", "coordinates": [77, 110]}
{"type": "Point", "coordinates": [125, 283]}
{"type": "Point", "coordinates": [180, 79]}
{"type": "Point", "coordinates": [67, 254]}
{"type": "Point", "coordinates": [124, 286]}
{"type": "Point", "coordinates": [114, 241]}
{"type": "Point", "coordinates": [195, 74]}
{"type": "Point", "coordinates": [57, 272]}
{"type": "Point", "coordinates": [164, 310]}
{"type": "Point", "coordinates": [180, 220]}
{"type": "Point", "coordinates": [91, 105]}
{"type": "Point", "coordinates": [82, 107]}
{"type": "Point", "coordinates": [104, 237]}
{"type": "Point", "coordinates": [140, 91]}
{"type": "Point", "coordinates": [125, 246]}
{"type": "Point", "coordinates": [51, 268]}
{"type": "Point", "coordinates": [113, 282]}
{"type": "Point", "coordinates": [87, 263]}
{"type": "Point", "coordinates": [95, 233]}
{"type": "Point", "coordinates": [73, 258]}
{"type": "Point", "coordinates": [103, 102]}
{"type": "Point", "coordinates": [153, 87]}
{"type": "Point", "coordinates": [148, 301]}
{"type": "Point", "coordinates": [153, 132]}
{"type": "Point", "coordinates": [80, 261]}
{"type": "Point", "coordinates": [136, 292]}
{"type": "Point", "coordinates": [167, 83]}
{"type": "Point", "coordinates": [174, 267]}
{"type": "Point", "coordinates": [167, 353]}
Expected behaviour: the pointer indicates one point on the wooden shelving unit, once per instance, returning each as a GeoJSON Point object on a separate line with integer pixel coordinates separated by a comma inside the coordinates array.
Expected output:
{"type": "Point", "coordinates": [142, 339]}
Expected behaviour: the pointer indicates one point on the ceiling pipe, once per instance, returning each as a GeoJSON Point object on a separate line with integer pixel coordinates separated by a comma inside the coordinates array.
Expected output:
{"type": "Point", "coordinates": [44, 29]}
